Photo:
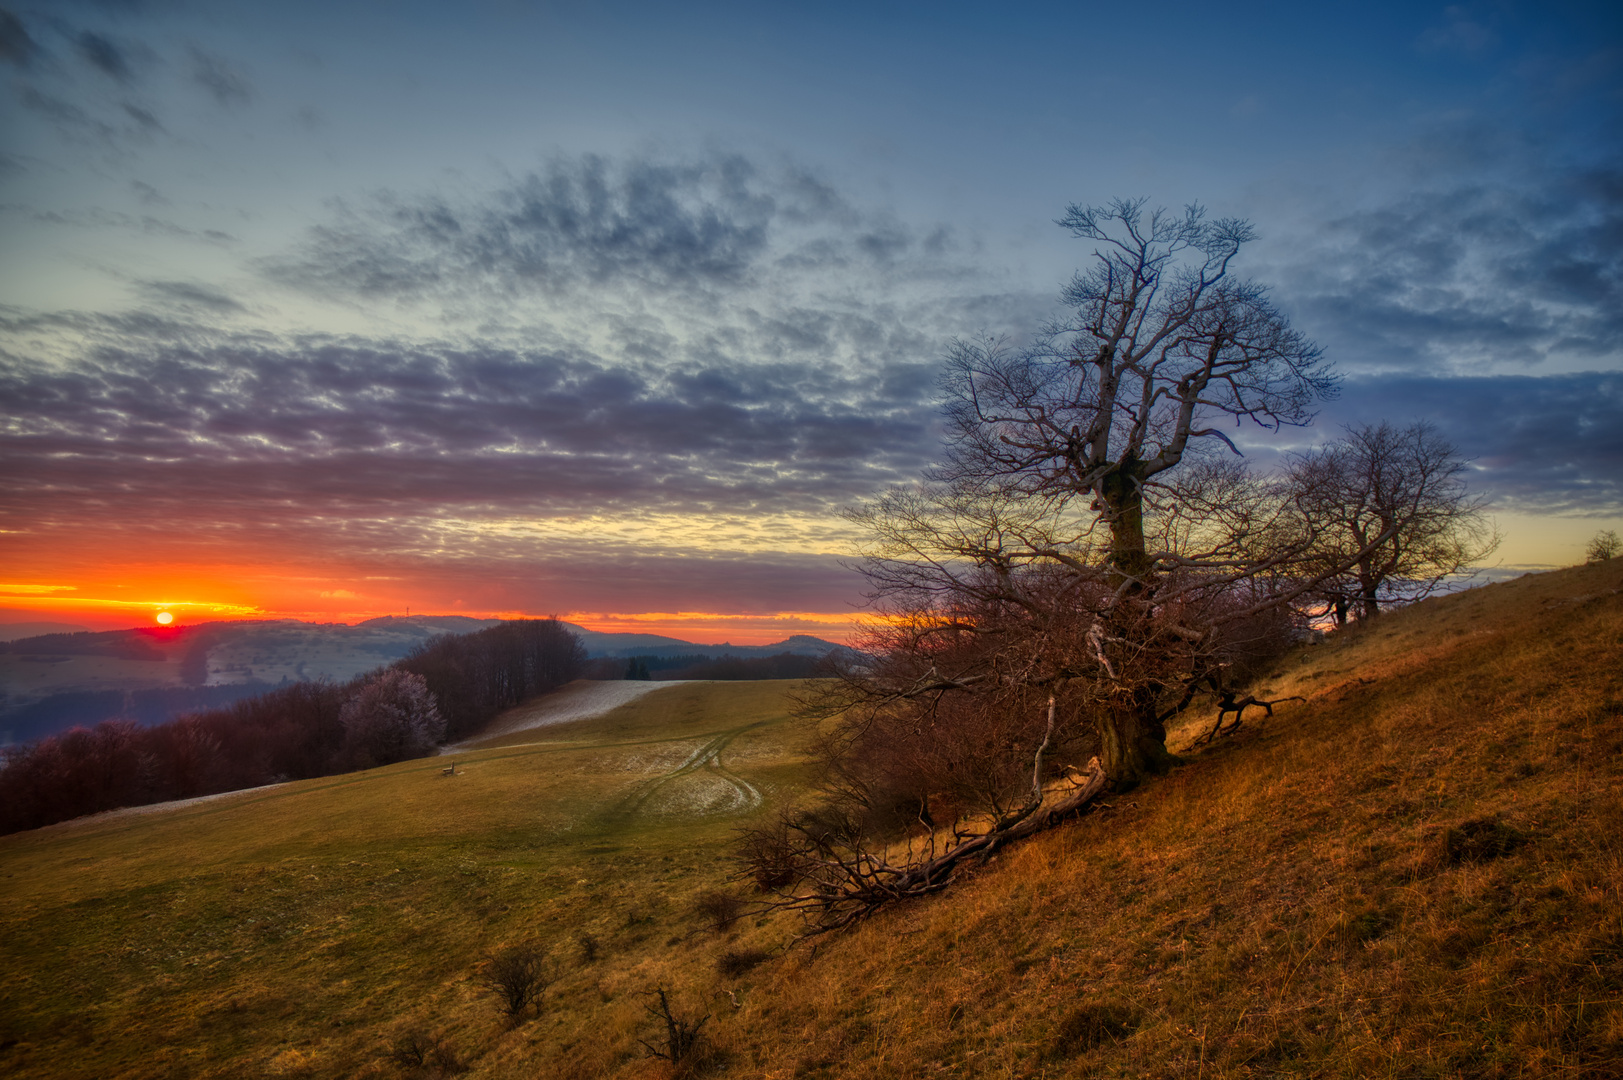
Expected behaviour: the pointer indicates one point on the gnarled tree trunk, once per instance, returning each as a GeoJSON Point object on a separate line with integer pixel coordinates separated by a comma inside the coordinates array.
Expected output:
{"type": "Point", "coordinates": [1132, 737]}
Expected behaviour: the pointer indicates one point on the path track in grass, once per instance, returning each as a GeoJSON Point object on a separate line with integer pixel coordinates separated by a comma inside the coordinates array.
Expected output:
{"type": "Point", "coordinates": [703, 763]}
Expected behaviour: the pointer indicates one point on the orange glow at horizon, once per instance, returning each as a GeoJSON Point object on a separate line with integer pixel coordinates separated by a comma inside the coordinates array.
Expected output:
{"type": "Point", "coordinates": [225, 594]}
{"type": "Point", "coordinates": [101, 585]}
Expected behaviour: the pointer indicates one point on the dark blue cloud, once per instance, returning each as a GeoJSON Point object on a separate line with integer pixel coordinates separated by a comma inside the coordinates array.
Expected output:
{"type": "Point", "coordinates": [16, 44]}
{"type": "Point", "coordinates": [223, 82]}
{"type": "Point", "coordinates": [683, 227]}
{"type": "Point", "coordinates": [1552, 443]}
{"type": "Point", "coordinates": [1517, 270]}
{"type": "Point", "coordinates": [103, 55]}
{"type": "Point", "coordinates": [190, 296]}
{"type": "Point", "coordinates": [348, 428]}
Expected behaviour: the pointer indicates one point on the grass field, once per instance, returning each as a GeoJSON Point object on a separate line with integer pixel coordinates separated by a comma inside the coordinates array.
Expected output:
{"type": "Point", "coordinates": [301, 929]}
{"type": "Point", "coordinates": [1416, 872]}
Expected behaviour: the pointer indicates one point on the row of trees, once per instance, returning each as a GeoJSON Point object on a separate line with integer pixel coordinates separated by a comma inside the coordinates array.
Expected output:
{"type": "Point", "coordinates": [704, 666]}
{"type": "Point", "coordinates": [1093, 555]}
{"type": "Point", "coordinates": [475, 676]}
{"type": "Point", "coordinates": [445, 689]}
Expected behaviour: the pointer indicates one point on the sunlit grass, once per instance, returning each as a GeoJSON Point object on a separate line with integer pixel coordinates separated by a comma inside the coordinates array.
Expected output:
{"type": "Point", "coordinates": [1287, 903]}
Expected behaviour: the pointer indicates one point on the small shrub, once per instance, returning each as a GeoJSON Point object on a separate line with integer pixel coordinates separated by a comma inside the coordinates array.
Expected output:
{"type": "Point", "coordinates": [735, 962]}
{"type": "Point", "coordinates": [1360, 925]}
{"type": "Point", "coordinates": [519, 976]}
{"type": "Point", "coordinates": [446, 1059]}
{"type": "Point", "coordinates": [1092, 1026]}
{"type": "Point", "coordinates": [720, 909]}
{"type": "Point", "coordinates": [413, 1049]}
{"type": "Point", "coordinates": [589, 947]}
{"type": "Point", "coordinates": [679, 1036]}
{"type": "Point", "coordinates": [1480, 840]}
{"type": "Point", "coordinates": [768, 857]}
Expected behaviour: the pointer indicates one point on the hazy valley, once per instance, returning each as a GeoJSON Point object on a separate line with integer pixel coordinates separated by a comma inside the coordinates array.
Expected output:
{"type": "Point", "coordinates": [49, 683]}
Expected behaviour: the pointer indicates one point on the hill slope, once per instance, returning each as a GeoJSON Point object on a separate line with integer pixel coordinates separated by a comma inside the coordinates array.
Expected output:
{"type": "Point", "coordinates": [1416, 872]}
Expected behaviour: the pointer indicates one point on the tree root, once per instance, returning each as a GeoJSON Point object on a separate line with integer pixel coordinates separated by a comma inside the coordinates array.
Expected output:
{"type": "Point", "coordinates": [1230, 703]}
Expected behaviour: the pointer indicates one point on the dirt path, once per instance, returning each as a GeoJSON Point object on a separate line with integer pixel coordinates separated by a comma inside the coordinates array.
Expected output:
{"type": "Point", "coordinates": [579, 700]}
{"type": "Point", "coordinates": [706, 763]}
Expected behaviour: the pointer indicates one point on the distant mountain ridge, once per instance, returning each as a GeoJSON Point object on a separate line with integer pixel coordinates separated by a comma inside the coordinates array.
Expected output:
{"type": "Point", "coordinates": [615, 644]}
{"type": "Point", "coordinates": [52, 681]}
{"type": "Point", "coordinates": [17, 631]}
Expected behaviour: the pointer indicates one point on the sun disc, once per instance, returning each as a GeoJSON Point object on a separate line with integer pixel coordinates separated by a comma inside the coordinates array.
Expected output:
{"type": "Point", "coordinates": [165, 618]}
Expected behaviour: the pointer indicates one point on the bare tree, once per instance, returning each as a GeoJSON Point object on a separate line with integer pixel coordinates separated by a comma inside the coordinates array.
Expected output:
{"type": "Point", "coordinates": [1068, 450]}
{"type": "Point", "coordinates": [1090, 558]}
{"type": "Point", "coordinates": [1394, 512]}
{"type": "Point", "coordinates": [1605, 545]}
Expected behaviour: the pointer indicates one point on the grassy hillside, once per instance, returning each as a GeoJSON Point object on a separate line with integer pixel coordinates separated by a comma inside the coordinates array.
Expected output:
{"type": "Point", "coordinates": [299, 930]}
{"type": "Point", "coordinates": [1416, 872]}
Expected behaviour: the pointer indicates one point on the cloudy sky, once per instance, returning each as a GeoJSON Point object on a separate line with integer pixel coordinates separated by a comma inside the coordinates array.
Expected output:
{"type": "Point", "coordinates": [606, 309]}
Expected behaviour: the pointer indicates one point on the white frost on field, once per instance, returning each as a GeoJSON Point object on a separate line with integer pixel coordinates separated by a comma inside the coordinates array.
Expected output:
{"type": "Point", "coordinates": [158, 807]}
{"type": "Point", "coordinates": [580, 700]}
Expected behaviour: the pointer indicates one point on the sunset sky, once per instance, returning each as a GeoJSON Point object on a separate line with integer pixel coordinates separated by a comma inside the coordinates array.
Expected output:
{"type": "Point", "coordinates": [605, 310]}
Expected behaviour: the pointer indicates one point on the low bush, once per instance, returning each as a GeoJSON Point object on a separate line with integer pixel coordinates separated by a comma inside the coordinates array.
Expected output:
{"type": "Point", "coordinates": [519, 977]}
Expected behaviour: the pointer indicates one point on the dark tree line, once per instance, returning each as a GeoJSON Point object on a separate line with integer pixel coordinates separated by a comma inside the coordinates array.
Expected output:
{"type": "Point", "coordinates": [475, 676]}
{"type": "Point", "coordinates": [741, 669]}
{"type": "Point", "coordinates": [727, 667]}
{"type": "Point", "coordinates": [446, 689]}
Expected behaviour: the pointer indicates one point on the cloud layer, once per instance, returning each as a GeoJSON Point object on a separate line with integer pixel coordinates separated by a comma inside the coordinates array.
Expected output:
{"type": "Point", "coordinates": [712, 358]}
{"type": "Point", "coordinates": [1487, 272]}
{"type": "Point", "coordinates": [1552, 444]}
{"type": "Point", "coordinates": [358, 426]}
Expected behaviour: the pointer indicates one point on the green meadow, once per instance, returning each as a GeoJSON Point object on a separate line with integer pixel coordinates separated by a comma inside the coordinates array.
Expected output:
{"type": "Point", "coordinates": [303, 928]}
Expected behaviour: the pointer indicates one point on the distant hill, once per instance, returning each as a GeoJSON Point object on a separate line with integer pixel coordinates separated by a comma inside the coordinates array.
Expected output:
{"type": "Point", "coordinates": [434, 624]}
{"type": "Point", "coordinates": [53, 681]}
{"type": "Point", "coordinates": [13, 631]}
{"type": "Point", "coordinates": [599, 644]}
{"type": "Point", "coordinates": [65, 675]}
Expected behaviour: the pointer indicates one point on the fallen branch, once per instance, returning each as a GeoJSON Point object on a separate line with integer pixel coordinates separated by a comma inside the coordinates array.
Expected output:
{"type": "Point", "coordinates": [1229, 703]}
{"type": "Point", "coordinates": [841, 883]}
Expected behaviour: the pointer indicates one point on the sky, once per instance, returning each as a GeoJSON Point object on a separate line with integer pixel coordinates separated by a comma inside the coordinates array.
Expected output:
{"type": "Point", "coordinates": [606, 310]}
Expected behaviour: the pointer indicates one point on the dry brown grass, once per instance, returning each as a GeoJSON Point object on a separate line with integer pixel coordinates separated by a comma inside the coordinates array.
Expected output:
{"type": "Point", "coordinates": [1417, 872]}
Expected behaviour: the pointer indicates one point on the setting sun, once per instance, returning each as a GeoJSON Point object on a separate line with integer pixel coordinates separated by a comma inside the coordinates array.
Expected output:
{"type": "Point", "coordinates": [165, 618]}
